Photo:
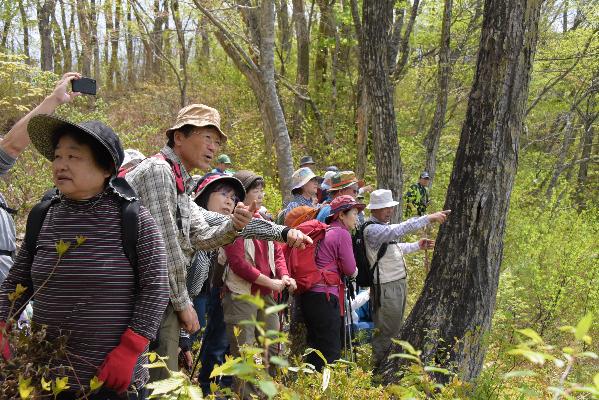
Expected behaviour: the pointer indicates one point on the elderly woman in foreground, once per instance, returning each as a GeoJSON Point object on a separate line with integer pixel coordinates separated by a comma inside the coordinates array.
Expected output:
{"type": "Point", "coordinates": [107, 291]}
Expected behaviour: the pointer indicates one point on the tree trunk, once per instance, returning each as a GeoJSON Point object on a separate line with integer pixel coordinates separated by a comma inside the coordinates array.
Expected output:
{"type": "Point", "coordinates": [563, 154]}
{"type": "Point", "coordinates": [377, 18]}
{"type": "Point", "coordinates": [157, 42]}
{"type": "Point", "coordinates": [114, 42]}
{"type": "Point", "coordinates": [108, 36]}
{"type": "Point", "coordinates": [205, 49]}
{"type": "Point", "coordinates": [45, 10]}
{"type": "Point", "coordinates": [59, 45]}
{"type": "Point", "coordinates": [587, 147]}
{"type": "Point", "coordinates": [565, 17]}
{"type": "Point", "coordinates": [404, 46]}
{"type": "Point", "coordinates": [400, 14]}
{"type": "Point", "coordinates": [66, 29]}
{"type": "Point", "coordinates": [362, 125]}
{"type": "Point", "coordinates": [362, 99]}
{"type": "Point", "coordinates": [302, 76]}
{"type": "Point", "coordinates": [431, 142]}
{"type": "Point", "coordinates": [95, 40]}
{"type": "Point", "coordinates": [86, 41]}
{"type": "Point", "coordinates": [455, 308]}
{"type": "Point", "coordinates": [182, 81]}
{"type": "Point", "coordinates": [273, 106]}
{"type": "Point", "coordinates": [324, 33]}
{"type": "Point", "coordinates": [129, 45]}
{"type": "Point", "coordinates": [25, 31]}
{"type": "Point", "coordinates": [284, 34]}
{"type": "Point", "coordinates": [261, 78]}
{"type": "Point", "coordinates": [8, 17]}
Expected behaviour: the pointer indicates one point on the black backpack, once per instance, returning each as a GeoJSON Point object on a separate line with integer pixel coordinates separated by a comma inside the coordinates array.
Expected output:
{"type": "Point", "coordinates": [366, 272]}
{"type": "Point", "coordinates": [129, 217]}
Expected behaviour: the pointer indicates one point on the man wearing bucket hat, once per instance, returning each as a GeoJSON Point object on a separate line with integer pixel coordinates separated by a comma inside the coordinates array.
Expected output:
{"type": "Point", "coordinates": [385, 253]}
{"type": "Point", "coordinates": [11, 146]}
{"type": "Point", "coordinates": [97, 284]}
{"type": "Point", "coordinates": [164, 185]}
{"type": "Point", "coordinates": [343, 183]}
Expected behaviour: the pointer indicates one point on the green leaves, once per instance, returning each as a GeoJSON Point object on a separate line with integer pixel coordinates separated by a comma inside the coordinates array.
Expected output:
{"type": "Point", "coordinates": [95, 384]}
{"type": "Point", "coordinates": [269, 388]}
{"type": "Point", "coordinates": [255, 300]}
{"type": "Point", "coordinates": [583, 327]}
{"type": "Point", "coordinates": [531, 334]}
{"type": "Point", "coordinates": [59, 385]}
{"type": "Point", "coordinates": [62, 247]}
{"type": "Point", "coordinates": [275, 309]}
{"type": "Point", "coordinates": [19, 290]}
{"type": "Point", "coordinates": [25, 387]}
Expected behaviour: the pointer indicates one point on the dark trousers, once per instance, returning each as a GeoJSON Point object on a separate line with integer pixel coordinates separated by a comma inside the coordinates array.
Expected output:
{"type": "Point", "coordinates": [323, 325]}
{"type": "Point", "coordinates": [200, 304]}
{"type": "Point", "coordinates": [105, 394]}
{"type": "Point", "coordinates": [214, 344]}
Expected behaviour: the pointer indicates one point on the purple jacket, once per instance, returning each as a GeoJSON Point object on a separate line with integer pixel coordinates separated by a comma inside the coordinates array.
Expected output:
{"type": "Point", "coordinates": [336, 252]}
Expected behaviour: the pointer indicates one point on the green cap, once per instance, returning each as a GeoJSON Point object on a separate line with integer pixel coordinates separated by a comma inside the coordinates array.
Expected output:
{"type": "Point", "coordinates": [223, 158]}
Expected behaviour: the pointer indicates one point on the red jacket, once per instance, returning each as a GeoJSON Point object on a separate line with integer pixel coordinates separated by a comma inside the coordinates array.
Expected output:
{"type": "Point", "coordinates": [236, 256]}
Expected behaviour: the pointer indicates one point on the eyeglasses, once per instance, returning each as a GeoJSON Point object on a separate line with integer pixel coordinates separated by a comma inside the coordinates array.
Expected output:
{"type": "Point", "coordinates": [207, 139]}
{"type": "Point", "coordinates": [233, 198]}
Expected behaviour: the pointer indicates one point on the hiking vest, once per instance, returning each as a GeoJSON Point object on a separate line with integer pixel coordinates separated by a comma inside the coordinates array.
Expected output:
{"type": "Point", "coordinates": [392, 266]}
{"type": "Point", "coordinates": [237, 284]}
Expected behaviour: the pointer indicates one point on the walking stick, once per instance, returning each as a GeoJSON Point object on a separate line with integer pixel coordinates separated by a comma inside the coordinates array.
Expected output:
{"type": "Point", "coordinates": [349, 317]}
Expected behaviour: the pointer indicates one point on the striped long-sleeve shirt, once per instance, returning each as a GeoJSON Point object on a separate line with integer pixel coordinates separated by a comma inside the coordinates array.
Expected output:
{"type": "Point", "coordinates": [91, 295]}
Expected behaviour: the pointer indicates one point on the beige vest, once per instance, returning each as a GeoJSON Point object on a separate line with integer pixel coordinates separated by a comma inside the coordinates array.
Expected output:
{"type": "Point", "coordinates": [391, 267]}
{"type": "Point", "coordinates": [237, 284]}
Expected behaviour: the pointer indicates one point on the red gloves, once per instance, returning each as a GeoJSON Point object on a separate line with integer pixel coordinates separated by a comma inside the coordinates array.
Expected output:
{"type": "Point", "coordinates": [117, 369]}
{"type": "Point", "coordinates": [4, 348]}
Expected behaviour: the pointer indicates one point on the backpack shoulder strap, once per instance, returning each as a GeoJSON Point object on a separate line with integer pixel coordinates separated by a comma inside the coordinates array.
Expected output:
{"type": "Point", "coordinates": [35, 220]}
{"type": "Point", "coordinates": [176, 172]}
{"type": "Point", "coordinates": [130, 223]}
{"type": "Point", "coordinates": [382, 250]}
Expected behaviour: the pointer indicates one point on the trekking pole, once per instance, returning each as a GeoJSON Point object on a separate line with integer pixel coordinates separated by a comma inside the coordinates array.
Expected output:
{"type": "Point", "coordinates": [350, 317]}
{"type": "Point", "coordinates": [198, 356]}
{"type": "Point", "coordinates": [284, 299]}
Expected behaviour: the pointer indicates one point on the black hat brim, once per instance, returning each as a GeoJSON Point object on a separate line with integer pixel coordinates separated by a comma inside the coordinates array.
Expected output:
{"type": "Point", "coordinates": [42, 128]}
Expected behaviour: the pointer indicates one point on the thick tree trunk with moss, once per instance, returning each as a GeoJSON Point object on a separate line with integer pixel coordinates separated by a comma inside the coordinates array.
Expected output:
{"type": "Point", "coordinates": [377, 19]}
{"type": "Point", "coordinates": [458, 299]}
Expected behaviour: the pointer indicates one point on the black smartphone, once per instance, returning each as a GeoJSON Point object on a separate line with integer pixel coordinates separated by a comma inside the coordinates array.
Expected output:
{"type": "Point", "coordinates": [84, 85]}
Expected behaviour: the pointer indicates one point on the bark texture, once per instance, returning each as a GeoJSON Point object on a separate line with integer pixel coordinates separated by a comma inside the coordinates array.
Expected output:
{"type": "Point", "coordinates": [458, 299]}
{"type": "Point", "coordinates": [377, 19]}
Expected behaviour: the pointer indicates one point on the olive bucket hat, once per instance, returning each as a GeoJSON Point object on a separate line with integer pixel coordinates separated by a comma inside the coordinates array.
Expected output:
{"type": "Point", "coordinates": [42, 128]}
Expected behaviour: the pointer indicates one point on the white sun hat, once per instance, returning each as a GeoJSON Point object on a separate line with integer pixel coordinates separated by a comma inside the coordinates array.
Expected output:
{"type": "Point", "coordinates": [381, 198]}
